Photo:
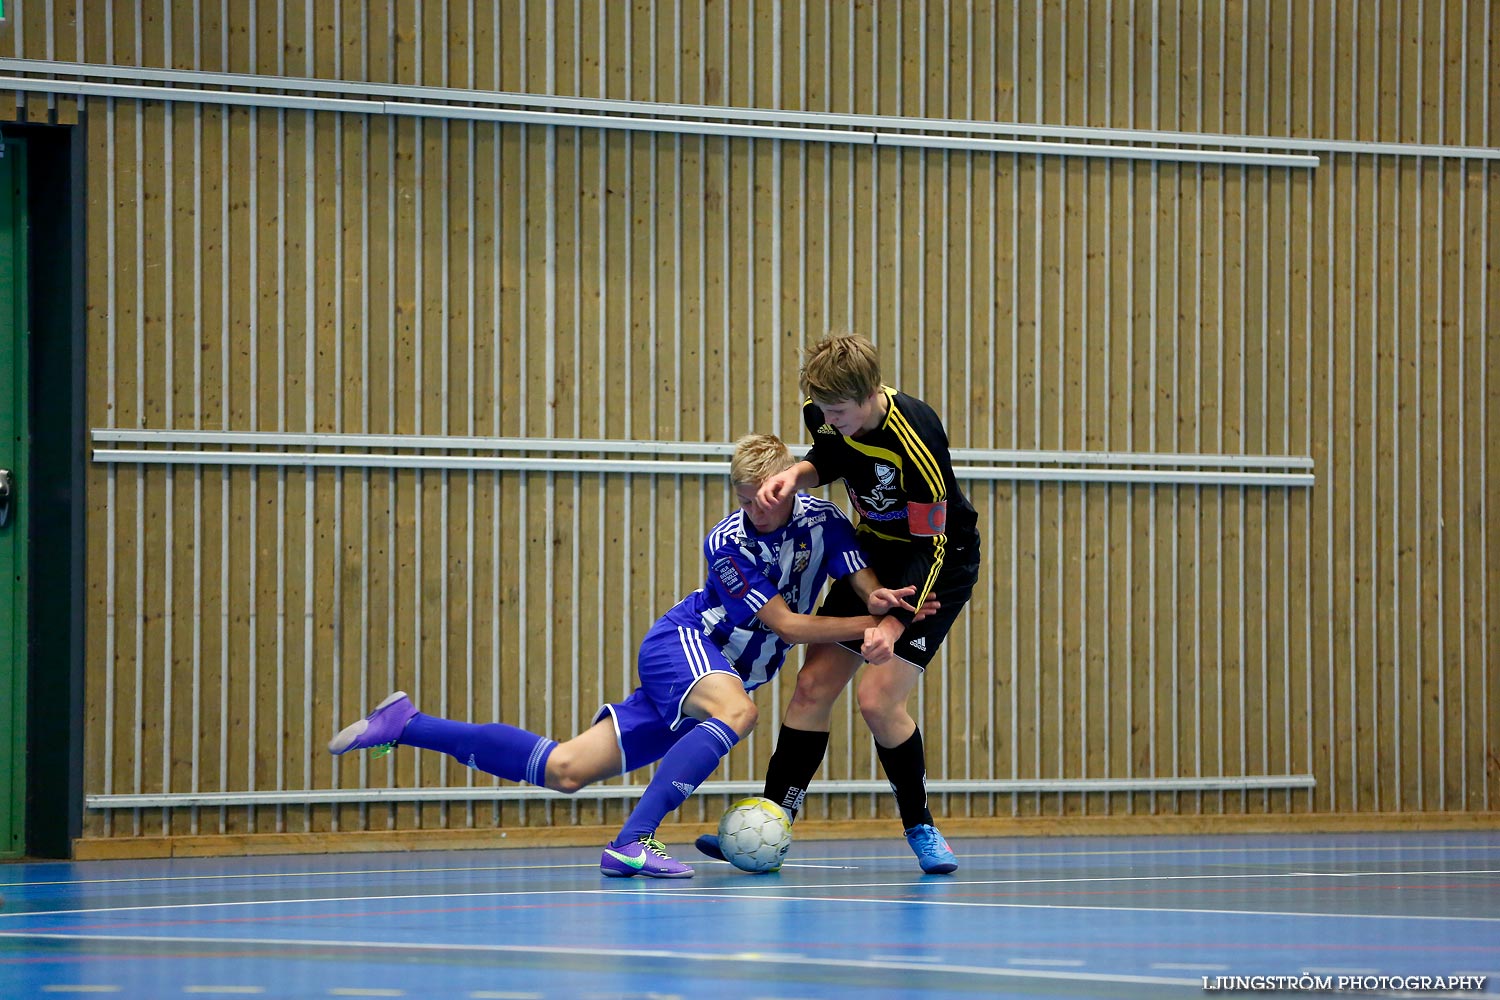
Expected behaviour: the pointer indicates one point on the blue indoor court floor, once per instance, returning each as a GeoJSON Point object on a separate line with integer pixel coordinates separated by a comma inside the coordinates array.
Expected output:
{"type": "Point", "coordinates": [1023, 917]}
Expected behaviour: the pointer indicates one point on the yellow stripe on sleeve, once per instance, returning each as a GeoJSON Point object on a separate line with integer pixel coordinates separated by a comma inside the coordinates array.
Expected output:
{"type": "Point", "coordinates": [939, 544]}
{"type": "Point", "coordinates": [921, 455]}
{"type": "Point", "coordinates": [924, 460]}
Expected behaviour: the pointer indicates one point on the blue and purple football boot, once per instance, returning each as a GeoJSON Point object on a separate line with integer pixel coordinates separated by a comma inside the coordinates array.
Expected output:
{"type": "Point", "coordinates": [379, 731]}
{"type": "Point", "coordinates": [646, 857]}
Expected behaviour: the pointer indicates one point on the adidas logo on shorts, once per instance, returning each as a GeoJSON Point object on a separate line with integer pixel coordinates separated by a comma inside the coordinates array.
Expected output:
{"type": "Point", "coordinates": [920, 642]}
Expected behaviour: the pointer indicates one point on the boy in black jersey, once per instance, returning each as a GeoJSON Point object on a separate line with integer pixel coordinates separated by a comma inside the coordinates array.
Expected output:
{"type": "Point", "coordinates": [917, 528]}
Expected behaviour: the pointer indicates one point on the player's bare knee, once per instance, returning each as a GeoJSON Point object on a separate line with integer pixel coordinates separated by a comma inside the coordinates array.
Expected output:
{"type": "Point", "coordinates": [815, 692]}
{"type": "Point", "coordinates": [741, 717]}
{"type": "Point", "coordinates": [564, 773]}
{"type": "Point", "coordinates": [878, 706]}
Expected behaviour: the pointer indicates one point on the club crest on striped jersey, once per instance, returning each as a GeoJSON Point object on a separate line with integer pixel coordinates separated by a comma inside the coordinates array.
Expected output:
{"type": "Point", "coordinates": [885, 479]}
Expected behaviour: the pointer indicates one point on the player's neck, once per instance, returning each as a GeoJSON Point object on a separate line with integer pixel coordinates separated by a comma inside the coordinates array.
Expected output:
{"type": "Point", "coordinates": [877, 413]}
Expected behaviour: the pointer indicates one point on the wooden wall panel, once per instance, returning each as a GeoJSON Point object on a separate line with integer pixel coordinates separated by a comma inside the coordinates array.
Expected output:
{"type": "Point", "coordinates": [281, 270]}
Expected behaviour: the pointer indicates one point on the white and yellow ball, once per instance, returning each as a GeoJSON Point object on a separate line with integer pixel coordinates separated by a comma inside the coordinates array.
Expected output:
{"type": "Point", "coordinates": [755, 835]}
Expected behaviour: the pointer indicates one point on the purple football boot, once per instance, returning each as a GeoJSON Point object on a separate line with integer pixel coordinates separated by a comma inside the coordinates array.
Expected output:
{"type": "Point", "coordinates": [379, 730]}
{"type": "Point", "coordinates": [643, 857]}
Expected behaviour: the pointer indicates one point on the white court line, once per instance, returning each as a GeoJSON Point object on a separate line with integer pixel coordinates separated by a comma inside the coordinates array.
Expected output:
{"type": "Point", "coordinates": [703, 862]}
{"type": "Point", "coordinates": [80, 989]}
{"type": "Point", "coordinates": [1170, 851]}
{"type": "Point", "coordinates": [760, 960]}
{"type": "Point", "coordinates": [1188, 967]}
{"type": "Point", "coordinates": [1045, 961]}
{"type": "Point", "coordinates": [1090, 879]}
{"type": "Point", "coordinates": [381, 871]}
{"type": "Point", "coordinates": [317, 899]}
{"type": "Point", "coordinates": [249, 875]}
{"type": "Point", "coordinates": [1064, 906]}
{"type": "Point", "coordinates": [1165, 851]}
{"type": "Point", "coordinates": [757, 891]}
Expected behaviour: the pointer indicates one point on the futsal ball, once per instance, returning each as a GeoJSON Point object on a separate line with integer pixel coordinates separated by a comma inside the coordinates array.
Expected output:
{"type": "Point", "coordinates": [755, 835]}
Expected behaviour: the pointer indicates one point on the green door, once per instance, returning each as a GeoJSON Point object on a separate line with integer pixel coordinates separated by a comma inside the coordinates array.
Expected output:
{"type": "Point", "coordinates": [13, 438]}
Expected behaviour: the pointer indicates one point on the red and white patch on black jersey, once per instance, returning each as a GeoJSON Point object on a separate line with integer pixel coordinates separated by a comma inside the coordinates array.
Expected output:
{"type": "Point", "coordinates": [927, 519]}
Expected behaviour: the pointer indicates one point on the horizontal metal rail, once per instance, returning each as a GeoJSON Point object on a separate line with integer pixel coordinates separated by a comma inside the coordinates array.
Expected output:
{"type": "Point", "coordinates": [463, 112]}
{"type": "Point", "coordinates": [1170, 477]}
{"type": "Point", "coordinates": [1028, 146]}
{"type": "Point", "coordinates": [284, 102]}
{"type": "Point", "coordinates": [972, 455]}
{"type": "Point", "coordinates": [821, 118]}
{"type": "Point", "coordinates": [112, 435]}
{"type": "Point", "coordinates": [510, 793]}
{"type": "Point", "coordinates": [372, 460]}
{"type": "Point", "coordinates": [417, 441]}
{"type": "Point", "coordinates": [578, 119]}
{"type": "Point", "coordinates": [663, 467]}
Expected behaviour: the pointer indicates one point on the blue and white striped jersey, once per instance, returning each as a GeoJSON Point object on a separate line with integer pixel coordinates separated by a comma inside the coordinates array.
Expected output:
{"type": "Point", "coordinates": [745, 570]}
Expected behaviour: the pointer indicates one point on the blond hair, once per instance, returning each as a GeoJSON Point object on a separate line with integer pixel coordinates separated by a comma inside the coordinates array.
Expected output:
{"type": "Point", "coordinates": [758, 457]}
{"type": "Point", "coordinates": [842, 367]}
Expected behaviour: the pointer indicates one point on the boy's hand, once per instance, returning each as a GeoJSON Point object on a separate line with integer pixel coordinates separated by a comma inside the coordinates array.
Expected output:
{"type": "Point", "coordinates": [884, 599]}
{"type": "Point", "coordinates": [929, 607]}
{"type": "Point", "coordinates": [776, 489]}
{"type": "Point", "coordinates": [880, 642]}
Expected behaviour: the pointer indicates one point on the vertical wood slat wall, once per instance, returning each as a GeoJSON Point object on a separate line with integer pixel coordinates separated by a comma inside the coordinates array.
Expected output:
{"type": "Point", "coordinates": [270, 270]}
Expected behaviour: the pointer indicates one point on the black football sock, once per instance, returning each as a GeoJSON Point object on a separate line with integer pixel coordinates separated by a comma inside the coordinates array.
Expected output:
{"type": "Point", "coordinates": [906, 767]}
{"type": "Point", "coordinates": [799, 754]}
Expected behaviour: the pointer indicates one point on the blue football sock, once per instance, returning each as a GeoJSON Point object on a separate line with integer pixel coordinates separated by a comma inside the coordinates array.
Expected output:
{"type": "Point", "coordinates": [683, 769]}
{"type": "Point", "coordinates": [493, 747]}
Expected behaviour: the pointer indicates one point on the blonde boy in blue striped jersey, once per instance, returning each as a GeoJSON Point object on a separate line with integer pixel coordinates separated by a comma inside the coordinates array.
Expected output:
{"type": "Point", "coordinates": [918, 530]}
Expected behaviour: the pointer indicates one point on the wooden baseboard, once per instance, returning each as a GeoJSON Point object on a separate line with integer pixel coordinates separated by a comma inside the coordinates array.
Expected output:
{"type": "Point", "coordinates": [226, 845]}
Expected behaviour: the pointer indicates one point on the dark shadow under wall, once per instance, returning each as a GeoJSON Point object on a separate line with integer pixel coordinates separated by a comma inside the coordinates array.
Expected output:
{"type": "Point", "coordinates": [54, 486]}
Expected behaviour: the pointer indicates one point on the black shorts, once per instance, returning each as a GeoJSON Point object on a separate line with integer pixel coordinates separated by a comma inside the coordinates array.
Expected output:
{"type": "Point", "coordinates": [920, 642]}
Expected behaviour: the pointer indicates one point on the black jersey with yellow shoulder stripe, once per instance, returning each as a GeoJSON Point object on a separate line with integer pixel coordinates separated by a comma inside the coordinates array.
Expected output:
{"type": "Point", "coordinates": [900, 481]}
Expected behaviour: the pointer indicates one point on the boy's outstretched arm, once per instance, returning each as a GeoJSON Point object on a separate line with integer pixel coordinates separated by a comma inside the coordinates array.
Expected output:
{"type": "Point", "coordinates": [802, 476]}
{"type": "Point", "coordinates": [795, 628]}
{"type": "Point", "coordinates": [882, 600]}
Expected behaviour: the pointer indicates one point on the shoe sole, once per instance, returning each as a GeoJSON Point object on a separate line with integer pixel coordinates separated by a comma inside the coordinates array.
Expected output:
{"type": "Point", "coordinates": [944, 868]}
{"type": "Point", "coordinates": [349, 735]}
{"type": "Point", "coordinates": [611, 873]}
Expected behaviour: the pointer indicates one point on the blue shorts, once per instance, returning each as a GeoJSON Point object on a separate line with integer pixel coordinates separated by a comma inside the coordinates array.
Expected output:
{"type": "Point", "coordinates": [649, 722]}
